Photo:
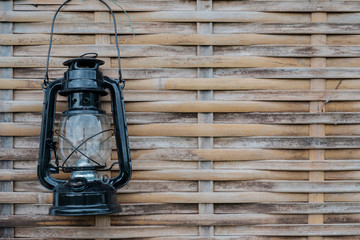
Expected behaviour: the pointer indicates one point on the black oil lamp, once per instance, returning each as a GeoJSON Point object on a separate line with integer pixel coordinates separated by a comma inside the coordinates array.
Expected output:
{"type": "Point", "coordinates": [82, 144]}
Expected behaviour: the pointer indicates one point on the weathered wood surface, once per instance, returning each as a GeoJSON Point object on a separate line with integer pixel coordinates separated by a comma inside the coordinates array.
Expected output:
{"type": "Point", "coordinates": [292, 230]}
{"type": "Point", "coordinates": [165, 16]}
{"type": "Point", "coordinates": [106, 28]}
{"type": "Point", "coordinates": [288, 6]}
{"type": "Point", "coordinates": [225, 118]}
{"type": "Point", "coordinates": [188, 28]}
{"type": "Point", "coordinates": [167, 39]}
{"type": "Point", "coordinates": [36, 5]}
{"type": "Point", "coordinates": [161, 50]}
{"type": "Point", "coordinates": [106, 50]}
{"type": "Point", "coordinates": [278, 73]}
{"type": "Point", "coordinates": [261, 6]}
{"type": "Point", "coordinates": [208, 219]}
{"type": "Point", "coordinates": [191, 130]}
{"type": "Point", "coordinates": [297, 73]}
{"type": "Point", "coordinates": [285, 118]}
{"type": "Point", "coordinates": [227, 101]}
{"type": "Point", "coordinates": [258, 95]}
{"type": "Point", "coordinates": [18, 129]}
{"type": "Point", "coordinates": [178, 106]}
{"type": "Point", "coordinates": [18, 16]}
{"type": "Point", "coordinates": [289, 142]}
{"type": "Point", "coordinates": [233, 197]}
{"type": "Point", "coordinates": [169, 62]}
{"type": "Point", "coordinates": [178, 219]}
{"type": "Point", "coordinates": [30, 154]}
{"type": "Point", "coordinates": [287, 28]}
{"type": "Point", "coordinates": [202, 84]}
{"type": "Point", "coordinates": [104, 232]}
{"type": "Point", "coordinates": [41, 220]}
{"type": "Point", "coordinates": [181, 175]}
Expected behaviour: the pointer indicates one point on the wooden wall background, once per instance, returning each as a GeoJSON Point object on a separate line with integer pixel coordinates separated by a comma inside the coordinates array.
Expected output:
{"type": "Point", "coordinates": [243, 117]}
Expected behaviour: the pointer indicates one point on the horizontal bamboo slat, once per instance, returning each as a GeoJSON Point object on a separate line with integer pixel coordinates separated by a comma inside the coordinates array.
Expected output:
{"type": "Point", "coordinates": [256, 95]}
{"type": "Point", "coordinates": [285, 118]}
{"type": "Point", "coordinates": [181, 175]}
{"type": "Point", "coordinates": [103, 232]}
{"type": "Point", "coordinates": [17, 16]}
{"type": "Point", "coordinates": [164, 39]}
{"type": "Point", "coordinates": [278, 73]}
{"type": "Point", "coordinates": [163, 50]}
{"type": "Point", "coordinates": [202, 84]}
{"type": "Point", "coordinates": [43, 220]}
{"type": "Point", "coordinates": [30, 154]}
{"type": "Point", "coordinates": [173, 106]}
{"type": "Point", "coordinates": [106, 50]}
{"type": "Point", "coordinates": [235, 197]}
{"type": "Point", "coordinates": [77, 6]}
{"type": "Point", "coordinates": [21, 197]}
{"type": "Point", "coordinates": [288, 208]}
{"type": "Point", "coordinates": [288, 51]}
{"type": "Point", "coordinates": [288, 142]}
{"type": "Point", "coordinates": [216, 106]}
{"type": "Point", "coordinates": [167, 62]}
{"type": "Point", "coordinates": [178, 219]}
{"type": "Point", "coordinates": [206, 219]}
{"type": "Point", "coordinates": [287, 28]}
{"type": "Point", "coordinates": [289, 95]}
{"type": "Point", "coordinates": [290, 165]}
{"type": "Point", "coordinates": [288, 6]}
{"type": "Point", "coordinates": [188, 28]}
{"type": "Point", "coordinates": [173, 197]}
{"type": "Point", "coordinates": [292, 230]}
{"type": "Point", "coordinates": [287, 187]}
{"type": "Point", "coordinates": [218, 175]}
{"type": "Point", "coordinates": [217, 130]}
{"type": "Point", "coordinates": [222, 220]}
{"type": "Point", "coordinates": [37, 39]}
{"type": "Point", "coordinates": [261, 6]}
{"type": "Point", "coordinates": [216, 84]}
{"type": "Point", "coordinates": [165, 16]}
{"type": "Point", "coordinates": [297, 73]}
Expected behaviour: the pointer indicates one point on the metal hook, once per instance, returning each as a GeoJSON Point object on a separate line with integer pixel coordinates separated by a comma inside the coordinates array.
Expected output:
{"type": "Point", "coordinates": [105, 179]}
{"type": "Point", "coordinates": [52, 31]}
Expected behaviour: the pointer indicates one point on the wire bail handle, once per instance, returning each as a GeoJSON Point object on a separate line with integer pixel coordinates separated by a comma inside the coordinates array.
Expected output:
{"type": "Point", "coordinates": [46, 77]}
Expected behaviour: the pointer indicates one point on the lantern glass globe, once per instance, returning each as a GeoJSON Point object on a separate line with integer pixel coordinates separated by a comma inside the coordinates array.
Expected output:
{"type": "Point", "coordinates": [85, 141]}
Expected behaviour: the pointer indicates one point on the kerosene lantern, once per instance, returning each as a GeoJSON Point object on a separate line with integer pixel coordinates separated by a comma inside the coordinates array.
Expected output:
{"type": "Point", "coordinates": [82, 144]}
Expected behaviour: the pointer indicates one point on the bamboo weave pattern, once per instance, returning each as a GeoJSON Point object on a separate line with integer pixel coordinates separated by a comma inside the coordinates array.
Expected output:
{"type": "Point", "coordinates": [243, 117]}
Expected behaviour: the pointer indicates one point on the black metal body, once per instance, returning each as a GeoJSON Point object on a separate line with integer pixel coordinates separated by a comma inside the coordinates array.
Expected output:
{"type": "Point", "coordinates": [84, 82]}
{"type": "Point", "coordinates": [61, 188]}
{"type": "Point", "coordinates": [79, 198]}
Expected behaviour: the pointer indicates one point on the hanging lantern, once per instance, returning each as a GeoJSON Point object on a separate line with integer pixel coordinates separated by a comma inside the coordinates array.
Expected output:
{"type": "Point", "coordinates": [82, 144]}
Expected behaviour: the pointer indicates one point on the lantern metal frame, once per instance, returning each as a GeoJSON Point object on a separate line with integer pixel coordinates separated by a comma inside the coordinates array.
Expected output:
{"type": "Point", "coordinates": [78, 196]}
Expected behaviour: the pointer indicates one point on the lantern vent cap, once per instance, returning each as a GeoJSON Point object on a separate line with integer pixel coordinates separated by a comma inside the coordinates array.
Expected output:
{"type": "Point", "coordinates": [83, 75]}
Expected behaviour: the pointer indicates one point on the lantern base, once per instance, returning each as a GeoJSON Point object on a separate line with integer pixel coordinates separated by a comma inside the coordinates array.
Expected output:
{"type": "Point", "coordinates": [86, 198]}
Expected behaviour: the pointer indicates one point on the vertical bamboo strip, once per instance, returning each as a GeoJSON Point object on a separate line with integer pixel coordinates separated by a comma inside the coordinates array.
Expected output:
{"type": "Point", "coordinates": [206, 95]}
{"type": "Point", "coordinates": [317, 130]}
{"type": "Point", "coordinates": [6, 142]}
{"type": "Point", "coordinates": [103, 221]}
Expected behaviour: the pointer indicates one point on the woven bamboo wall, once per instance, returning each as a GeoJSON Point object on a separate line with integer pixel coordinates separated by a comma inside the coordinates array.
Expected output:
{"type": "Point", "coordinates": [243, 117]}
